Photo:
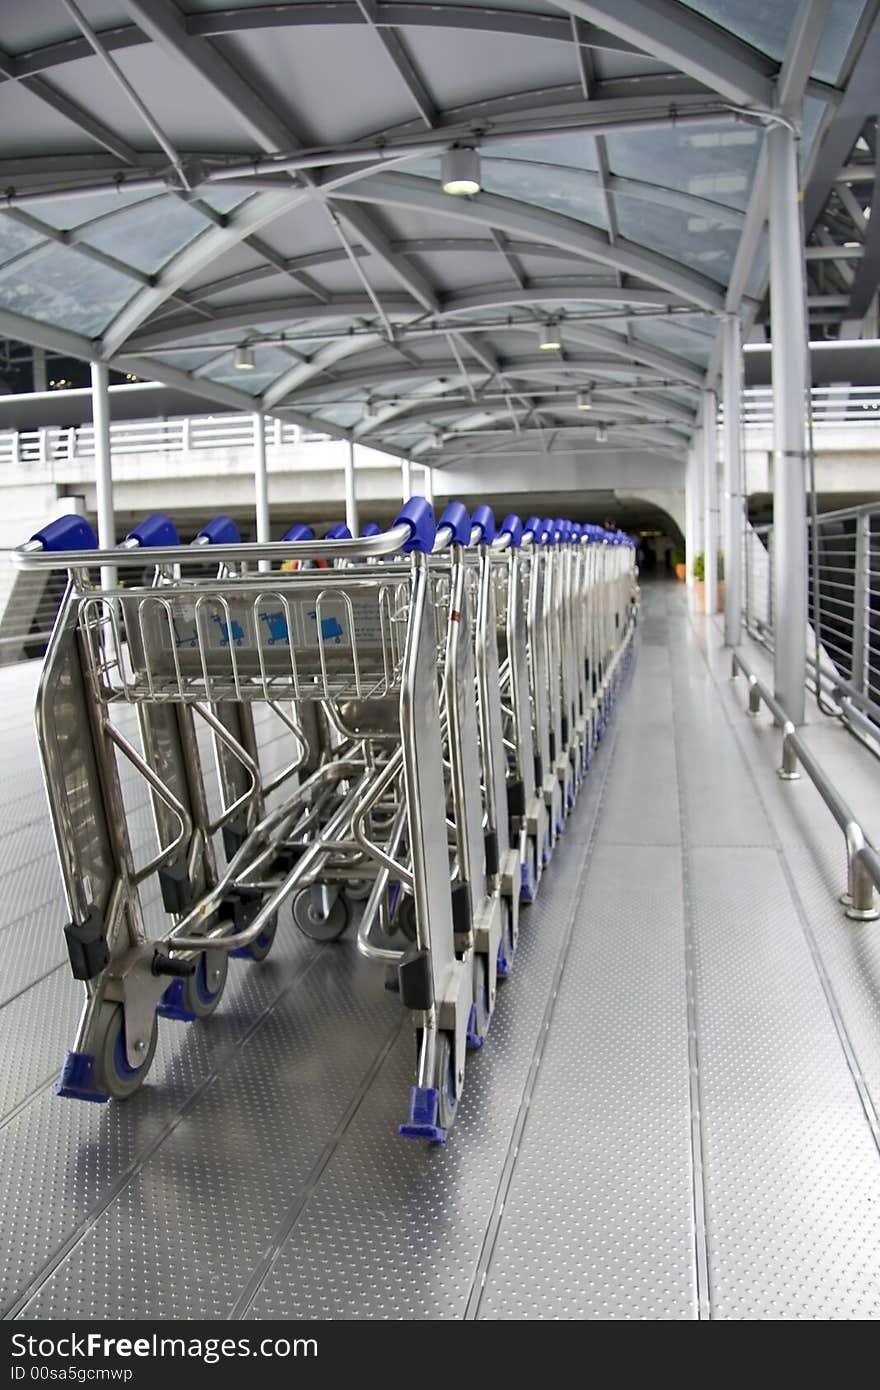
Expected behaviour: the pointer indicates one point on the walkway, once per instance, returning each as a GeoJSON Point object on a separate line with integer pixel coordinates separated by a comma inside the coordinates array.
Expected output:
{"type": "Point", "coordinates": [675, 1116]}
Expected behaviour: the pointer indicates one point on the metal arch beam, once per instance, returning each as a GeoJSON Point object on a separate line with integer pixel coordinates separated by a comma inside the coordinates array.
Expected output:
{"type": "Point", "coordinates": [379, 243]}
{"type": "Point", "coordinates": [684, 39]}
{"type": "Point", "coordinates": [492, 210]}
{"type": "Point", "coordinates": [253, 215]}
{"type": "Point", "coordinates": [557, 292]}
{"type": "Point", "coordinates": [172, 331]}
{"type": "Point", "coordinates": [166, 26]}
{"type": "Point", "coordinates": [70, 110]}
{"type": "Point", "coordinates": [436, 411]}
{"type": "Point", "coordinates": [233, 20]}
{"type": "Point", "coordinates": [323, 359]}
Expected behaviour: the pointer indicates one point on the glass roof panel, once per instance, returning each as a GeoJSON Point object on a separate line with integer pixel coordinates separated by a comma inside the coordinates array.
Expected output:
{"type": "Point", "coordinates": [16, 238]}
{"type": "Point", "coordinates": [702, 243]}
{"type": "Point", "coordinates": [684, 342]}
{"type": "Point", "coordinates": [66, 213]}
{"type": "Point", "coordinates": [147, 237]}
{"type": "Point", "coordinates": [767, 27]}
{"type": "Point", "coordinates": [557, 188]}
{"type": "Point", "coordinates": [576, 151]}
{"type": "Point", "coordinates": [61, 287]}
{"type": "Point", "coordinates": [716, 162]}
{"type": "Point", "coordinates": [224, 199]}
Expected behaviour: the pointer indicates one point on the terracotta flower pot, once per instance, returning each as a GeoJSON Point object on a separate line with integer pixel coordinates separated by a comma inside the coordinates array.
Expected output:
{"type": "Point", "coordinates": [681, 572]}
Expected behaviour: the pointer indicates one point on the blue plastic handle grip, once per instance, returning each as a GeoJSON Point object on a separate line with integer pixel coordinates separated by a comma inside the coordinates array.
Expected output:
{"type": "Point", "coordinates": [484, 518]}
{"type": "Point", "coordinates": [418, 515]}
{"type": "Point", "coordinates": [371, 529]}
{"type": "Point", "coordinates": [67, 533]}
{"type": "Point", "coordinates": [551, 533]}
{"type": "Point", "coordinates": [455, 516]}
{"type": "Point", "coordinates": [339, 532]}
{"type": "Point", "coordinates": [512, 526]}
{"type": "Point", "coordinates": [537, 529]}
{"type": "Point", "coordinates": [299, 532]}
{"type": "Point", "coordinates": [220, 530]}
{"type": "Point", "coordinates": [154, 530]}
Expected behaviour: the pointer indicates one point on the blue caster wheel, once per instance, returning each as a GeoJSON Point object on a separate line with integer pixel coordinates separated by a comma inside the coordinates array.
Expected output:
{"type": "Point", "coordinates": [113, 1074]}
{"type": "Point", "coordinates": [203, 990]}
{"type": "Point", "coordinates": [478, 1023]}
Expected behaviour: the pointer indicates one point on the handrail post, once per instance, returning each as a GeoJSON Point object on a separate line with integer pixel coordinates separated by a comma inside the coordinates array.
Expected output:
{"type": "Point", "coordinates": [754, 695]}
{"type": "Point", "coordinates": [859, 899]}
{"type": "Point", "coordinates": [788, 772]}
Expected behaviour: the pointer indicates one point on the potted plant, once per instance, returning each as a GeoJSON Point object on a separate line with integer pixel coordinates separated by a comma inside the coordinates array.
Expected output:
{"type": "Point", "coordinates": [700, 582]}
{"type": "Point", "coordinates": [679, 564]}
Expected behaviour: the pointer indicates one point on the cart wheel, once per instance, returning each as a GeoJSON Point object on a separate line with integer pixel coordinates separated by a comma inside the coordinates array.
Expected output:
{"type": "Point", "coordinates": [314, 924]}
{"type": "Point", "coordinates": [113, 1073]}
{"type": "Point", "coordinates": [478, 1024]}
{"type": "Point", "coordinates": [260, 948]}
{"type": "Point", "coordinates": [203, 991]}
{"type": "Point", "coordinates": [445, 1081]}
{"type": "Point", "coordinates": [357, 890]}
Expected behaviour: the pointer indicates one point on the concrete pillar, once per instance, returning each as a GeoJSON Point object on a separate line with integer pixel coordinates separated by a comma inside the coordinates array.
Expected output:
{"type": "Point", "coordinates": [38, 359]}
{"type": "Point", "coordinates": [710, 498]}
{"type": "Point", "coordinates": [261, 485]}
{"type": "Point", "coordinates": [406, 479]}
{"type": "Point", "coordinates": [351, 506]}
{"type": "Point", "coordinates": [429, 483]}
{"type": "Point", "coordinates": [103, 468]}
{"type": "Point", "coordinates": [789, 367]}
{"type": "Point", "coordinates": [734, 500]}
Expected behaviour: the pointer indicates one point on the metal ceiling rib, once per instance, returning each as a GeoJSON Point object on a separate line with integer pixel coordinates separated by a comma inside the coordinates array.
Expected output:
{"type": "Point", "coordinates": [627, 140]}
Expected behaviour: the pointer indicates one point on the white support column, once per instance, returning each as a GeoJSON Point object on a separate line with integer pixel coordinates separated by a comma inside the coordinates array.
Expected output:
{"type": "Point", "coordinates": [103, 468]}
{"type": "Point", "coordinates": [261, 485]}
{"type": "Point", "coordinates": [39, 369]}
{"type": "Point", "coordinates": [694, 506]}
{"type": "Point", "coordinates": [429, 484]}
{"type": "Point", "coordinates": [351, 506]}
{"type": "Point", "coordinates": [734, 500]}
{"type": "Point", "coordinates": [406, 479]}
{"type": "Point", "coordinates": [710, 499]}
{"type": "Point", "coordinates": [789, 366]}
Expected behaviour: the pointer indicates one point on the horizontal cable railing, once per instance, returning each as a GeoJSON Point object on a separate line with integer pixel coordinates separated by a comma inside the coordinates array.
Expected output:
{"type": "Point", "coordinates": [844, 605]}
{"type": "Point", "coordinates": [829, 406]}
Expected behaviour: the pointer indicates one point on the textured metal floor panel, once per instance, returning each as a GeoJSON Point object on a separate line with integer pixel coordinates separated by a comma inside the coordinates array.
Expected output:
{"type": "Point", "coordinates": [599, 1216]}
{"type": "Point", "coordinates": [686, 985]}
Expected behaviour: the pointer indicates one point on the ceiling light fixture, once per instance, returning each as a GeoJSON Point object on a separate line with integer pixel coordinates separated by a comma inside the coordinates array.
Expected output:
{"type": "Point", "coordinates": [550, 339]}
{"type": "Point", "coordinates": [585, 399]}
{"type": "Point", "coordinates": [436, 440]}
{"type": "Point", "coordinates": [460, 171]}
{"type": "Point", "coordinates": [244, 359]}
{"type": "Point", "coordinates": [602, 435]}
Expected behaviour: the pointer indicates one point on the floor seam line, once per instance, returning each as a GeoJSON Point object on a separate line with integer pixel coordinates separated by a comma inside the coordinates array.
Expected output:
{"type": "Point", "coordinates": [869, 1109]}
{"type": "Point", "coordinates": [502, 1191]}
{"type": "Point", "coordinates": [81, 1230]}
{"type": "Point", "coordinates": [287, 1225]}
{"type": "Point", "coordinates": [698, 1171]}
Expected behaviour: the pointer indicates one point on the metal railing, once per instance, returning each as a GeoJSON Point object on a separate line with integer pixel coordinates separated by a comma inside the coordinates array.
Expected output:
{"type": "Point", "coordinates": [862, 859]}
{"type": "Point", "coordinates": [844, 605]}
{"type": "Point", "coordinates": [829, 405]}
{"type": "Point", "coordinates": [186, 434]}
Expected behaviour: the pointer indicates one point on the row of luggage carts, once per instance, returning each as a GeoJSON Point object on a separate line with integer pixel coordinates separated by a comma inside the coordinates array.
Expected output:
{"type": "Point", "coordinates": [440, 686]}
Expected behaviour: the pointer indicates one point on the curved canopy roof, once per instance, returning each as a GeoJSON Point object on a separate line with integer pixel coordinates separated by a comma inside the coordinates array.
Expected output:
{"type": "Point", "coordinates": [184, 181]}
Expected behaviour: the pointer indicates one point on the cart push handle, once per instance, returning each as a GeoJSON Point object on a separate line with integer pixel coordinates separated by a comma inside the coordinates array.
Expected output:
{"type": "Point", "coordinates": [62, 543]}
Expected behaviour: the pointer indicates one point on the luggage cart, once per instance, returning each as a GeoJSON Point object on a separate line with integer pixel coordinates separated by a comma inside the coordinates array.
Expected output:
{"type": "Point", "coordinates": [436, 683]}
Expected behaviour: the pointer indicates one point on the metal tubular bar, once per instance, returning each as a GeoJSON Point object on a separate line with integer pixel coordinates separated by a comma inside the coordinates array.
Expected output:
{"type": "Point", "coordinates": [710, 500]}
{"type": "Point", "coordinates": [351, 506]}
{"type": "Point", "coordinates": [103, 468]}
{"type": "Point", "coordinates": [261, 486]}
{"type": "Point", "coordinates": [863, 861]}
{"type": "Point", "coordinates": [733, 478]}
{"type": "Point", "coordinates": [789, 369]}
